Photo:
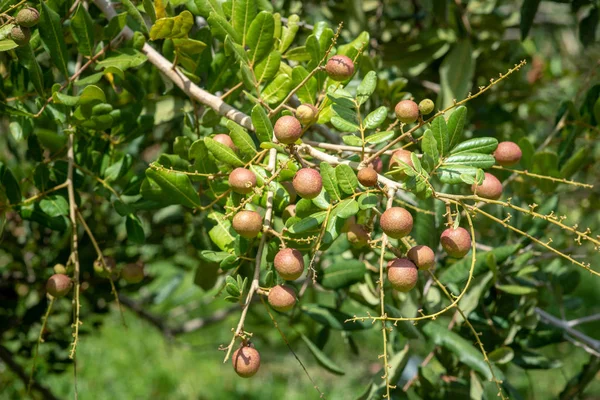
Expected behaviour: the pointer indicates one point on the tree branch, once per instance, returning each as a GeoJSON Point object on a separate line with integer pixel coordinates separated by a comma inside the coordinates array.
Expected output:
{"type": "Point", "coordinates": [549, 319]}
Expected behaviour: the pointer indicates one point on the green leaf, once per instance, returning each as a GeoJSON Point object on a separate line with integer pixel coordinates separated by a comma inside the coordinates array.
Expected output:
{"type": "Point", "coordinates": [346, 208]}
{"type": "Point", "coordinates": [530, 360]}
{"type": "Point", "coordinates": [516, 289]}
{"type": "Point", "coordinates": [528, 10]}
{"type": "Point", "coordinates": [380, 137]}
{"type": "Point", "coordinates": [268, 67]}
{"type": "Point", "coordinates": [176, 186]}
{"type": "Point", "coordinates": [135, 14]}
{"type": "Point", "coordinates": [440, 134]}
{"type": "Point", "coordinates": [135, 230]}
{"type": "Point", "coordinates": [366, 87]}
{"type": "Point", "coordinates": [27, 58]}
{"type": "Point", "coordinates": [189, 46]}
{"type": "Point", "coordinates": [278, 89]}
{"type": "Point", "coordinates": [367, 200]}
{"type": "Point", "coordinates": [238, 50]}
{"type": "Point", "coordinates": [54, 205]}
{"type": "Point", "coordinates": [485, 145]}
{"type": "Point", "coordinates": [361, 43]}
{"type": "Point", "coordinates": [221, 28]}
{"type": "Point", "coordinates": [242, 140]}
{"type": "Point", "coordinates": [223, 153]}
{"type": "Point", "coordinates": [205, 7]}
{"type": "Point", "coordinates": [7, 44]}
{"type": "Point", "coordinates": [309, 223]}
{"type": "Point", "coordinates": [243, 13]}
{"type": "Point", "coordinates": [452, 173]}
{"type": "Point", "coordinates": [92, 94]}
{"type": "Point", "coordinates": [501, 355]}
{"type": "Point", "coordinates": [260, 36]}
{"type": "Point", "coordinates": [456, 124]}
{"type": "Point", "coordinates": [346, 178]}
{"type": "Point", "coordinates": [52, 35]}
{"type": "Point", "coordinates": [222, 234]}
{"type": "Point", "coordinates": [262, 124]}
{"type": "Point", "coordinates": [299, 54]}
{"type": "Point", "coordinates": [149, 9]}
{"type": "Point", "coordinates": [342, 274]}
{"type": "Point", "coordinates": [321, 358]}
{"type": "Point", "coordinates": [289, 32]}
{"type": "Point", "coordinates": [82, 27]}
{"type": "Point", "coordinates": [123, 59]}
{"type": "Point", "coordinates": [172, 27]}
{"type": "Point", "coordinates": [470, 159]}
{"type": "Point", "coordinates": [333, 318]}
{"type": "Point", "coordinates": [430, 146]}
{"type": "Point", "coordinates": [330, 181]}
{"type": "Point", "coordinates": [343, 125]}
{"type": "Point", "coordinates": [375, 118]}
{"type": "Point", "coordinates": [352, 140]}
{"type": "Point", "coordinates": [456, 73]}
{"type": "Point", "coordinates": [308, 91]}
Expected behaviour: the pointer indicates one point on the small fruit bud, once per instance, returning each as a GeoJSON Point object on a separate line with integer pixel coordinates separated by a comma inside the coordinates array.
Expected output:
{"type": "Point", "coordinates": [339, 68]}
{"type": "Point", "coordinates": [507, 154]}
{"type": "Point", "coordinates": [400, 155]}
{"type": "Point", "coordinates": [402, 274]}
{"type": "Point", "coordinates": [422, 256]}
{"type": "Point", "coordinates": [59, 285]}
{"type": "Point", "coordinates": [407, 111]}
{"type": "Point", "coordinates": [426, 106]}
{"type": "Point", "coordinates": [226, 140]}
{"type": "Point", "coordinates": [456, 242]}
{"type": "Point", "coordinates": [490, 188]}
{"type": "Point", "coordinates": [396, 222]}
{"type": "Point", "coordinates": [358, 236]}
{"type": "Point", "coordinates": [287, 129]}
{"type": "Point", "coordinates": [247, 224]}
{"type": "Point", "coordinates": [307, 113]}
{"type": "Point", "coordinates": [289, 264]}
{"type": "Point", "coordinates": [133, 273]}
{"type": "Point", "coordinates": [59, 269]}
{"type": "Point", "coordinates": [242, 180]}
{"type": "Point", "coordinates": [246, 361]}
{"type": "Point", "coordinates": [367, 177]}
{"type": "Point", "coordinates": [377, 164]}
{"type": "Point", "coordinates": [308, 183]}
{"type": "Point", "coordinates": [20, 35]}
{"type": "Point", "coordinates": [27, 17]}
{"type": "Point", "coordinates": [282, 298]}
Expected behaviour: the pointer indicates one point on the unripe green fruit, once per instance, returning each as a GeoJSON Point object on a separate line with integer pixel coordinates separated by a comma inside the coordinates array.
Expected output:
{"type": "Point", "coordinates": [422, 256]}
{"type": "Point", "coordinates": [490, 188]}
{"type": "Point", "coordinates": [289, 264]}
{"type": "Point", "coordinates": [339, 68]}
{"type": "Point", "coordinates": [308, 183]}
{"type": "Point", "coordinates": [358, 236]}
{"type": "Point", "coordinates": [226, 140]}
{"type": "Point", "coordinates": [307, 113]}
{"type": "Point", "coordinates": [282, 298]}
{"type": "Point", "coordinates": [242, 180]}
{"type": "Point", "coordinates": [426, 106]}
{"type": "Point", "coordinates": [289, 212]}
{"type": "Point", "coordinates": [407, 111]}
{"type": "Point", "coordinates": [400, 155]}
{"type": "Point", "coordinates": [27, 17]}
{"type": "Point", "coordinates": [456, 242]}
{"type": "Point", "coordinates": [59, 269]}
{"type": "Point", "coordinates": [246, 361]}
{"type": "Point", "coordinates": [377, 164]}
{"type": "Point", "coordinates": [396, 222]}
{"type": "Point", "coordinates": [59, 285]}
{"type": "Point", "coordinates": [402, 274]}
{"type": "Point", "coordinates": [20, 35]}
{"type": "Point", "coordinates": [110, 265]}
{"type": "Point", "coordinates": [247, 224]}
{"type": "Point", "coordinates": [133, 273]}
{"type": "Point", "coordinates": [367, 177]}
{"type": "Point", "coordinates": [287, 129]}
{"type": "Point", "coordinates": [507, 154]}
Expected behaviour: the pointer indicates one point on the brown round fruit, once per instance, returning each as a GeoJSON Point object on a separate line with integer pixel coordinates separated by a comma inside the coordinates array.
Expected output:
{"type": "Point", "coordinates": [242, 180]}
{"type": "Point", "coordinates": [27, 17]}
{"type": "Point", "coordinates": [307, 113]}
{"type": "Point", "coordinates": [422, 256]}
{"type": "Point", "coordinates": [287, 129]}
{"type": "Point", "coordinates": [282, 298]}
{"type": "Point", "coordinates": [289, 264]}
{"type": "Point", "coordinates": [402, 274]}
{"type": "Point", "coordinates": [247, 224]}
{"type": "Point", "coordinates": [367, 177]}
{"type": "Point", "coordinates": [226, 140]}
{"type": "Point", "coordinates": [490, 188]}
{"type": "Point", "coordinates": [59, 285]}
{"type": "Point", "coordinates": [308, 183]}
{"type": "Point", "coordinates": [456, 242]}
{"type": "Point", "coordinates": [358, 236]}
{"type": "Point", "coordinates": [407, 111]}
{"type": "Point", "coordinates": [507, 154]}
{"type": "Point", "coordinates": [246, 361]}
{"type": "Point", "coordinates": [339, 68]}
{"type": "Point", "coordinates": [20, 35]}
{"type": "Point", "coordinates": [426, 106]}
{"type": "Point", "coordinates": [133, 273]}
{"type": "Point", "coordinates": [377, 165]}
{"type": "Point", "coordinates": [396, 222]}
{"type": "Point", "coordinates": [400, 155]}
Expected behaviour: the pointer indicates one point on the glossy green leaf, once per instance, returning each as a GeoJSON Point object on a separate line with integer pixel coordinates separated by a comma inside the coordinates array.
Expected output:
{"type": "Point", "coordinates": [172, 27]}
{"type": "Point", "coordinates": [189, 46]}
{"type": "Point", "coordinates": [485, 145]}
{"type": "Point", "coordinates": [501, 355]}
{"type": "Point", "coordinates": [346, 208]}
{"type": "Point", "coordinates": [243, 13]}
{"type": "Point", "coordinates": [223, 153]}
{"type": "Point", "coordinates": [366, 88]}
{"type": "Point", "coordinates": [176, 186]}
{"type": "Point", "coordinates": [7, 44]}
{"type": "Point", "coordinates": [322, 358]}
{"type": "Point", "coordinates": [456, 73]}
{"type": "Point", "coordinates": [309, 223]}
{"type": "Point", "coordinates": [516, 289]}
{"type": "Point", "coordinates": [262, 124]}
{"type": "Point", "coordinates": [470, 159]}
{"type": "Point", "coordinates": [346, 178]}
{"type": "Point", "coordinates": [528, 10]}
{"type": "Point", "coordinates": [375, 118]}
{"type": "Point", "coordinates": [124, 59]}
{"type": "Point", "coordinates": [136, 15]}
{"type": "Point", "coordinates": [289, 32]}
{"type": "Point", "coordinates": [92, 95]}
{"type": "Point", "coordinates": [82, 27]}
{"type": "Point", "coordinates": [135, 230]}
{"type": "Point", "coordinates": [352, 140]}
{"type": "Point", "coordinates": [220, 28]}
{"type": "Point", "coordinates": [452, 173]}
{"type": "Point", "coordinates": [342, 274]}
{"type": "Point", "coordinates": [380, 137]}
{"type": "Point", "coordinates": [27, 58]}
{"type": "Point", "coordinates": [52, 35]}
{"type": "Point", "coordinates": [205, 7]}
{"type": "Point", "coordinates": [278, 89]}
{"type": "Point", "coordinates": [238, 50]}
{"type": "Point", "coordinates": [260, 36]}
{"type": "Point", "coordinates": [367, 200]}
{"type": "Point", "coordinates": [333, 318]}
{"type": "Point", "coordinates": [222, 234]}
{"type": "Point", "coordinates": [330, 182]}
{"type": "Point", "coordinates": [439, 129]}
{"type": "Point", "coordinates": [456, 124]}
{"type": "Point", "coordinates": [430, 146]}
{"type": "Point", "coordinates": [343, 125]}
{"type": "Point", "coordinates": [54, 205]}
{"type": "Point", "coordinates": [268, 67]}
{"type": "Point", "coordinates": [307, 93]}
{"type": "Point", "coordinates": [242, 140]}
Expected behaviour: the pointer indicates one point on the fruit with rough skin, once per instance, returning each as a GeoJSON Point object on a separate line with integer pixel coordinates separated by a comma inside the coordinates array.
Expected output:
{"type": "Point", "coordinates": [282, 298]}
{"type": "Point", "coordinates": [339, 68]}
{"type": "Point", "coordinates": [422, 256]}
{"type": "Point", "coordinates": [490, 188]}
{"type": "Point", "coordinates": [289, 264]}
{"type": "Point", "coordinates": [58, 285]}
{"type": "Point", "coordinates": [358, 236]}
{"type": "Point", "coordinates": [226, 140]}
{"type": "Point", "coordinates": [27, 17]}
{"type": "Point", "coordinates": [247, 223]}
{"type": "Point", "coordinates": [20, 35]}
{"type": "Point", "coordinates": [396, 222]}
{"type": "Point", "coordinates": [507, 154]}
{"type": "Point", "coordinates": [287, 129]}
{"type": "Point", "coordinates": [307, 113]}
{"type": "Point", "coordinates": [426, 106]}
{"type": "Point", "coordinates": [308, 183]}
{"type": "Point", "coordinates": [400, 155]}
{"type": "Point", "coordinates": [402, 274]}
{"type": "Point", "coordinates": [246, 361]}
{"type": "Point", "coordinates": [133, 273]}
{"type": "Point", "coordinates": [242, 180]}
{"type": "Point", "coordinates": [456, 242]}
{"type": "Point", "coordinates": [407, 111]}
{"type": "Point", "coordinates": [367, 177]}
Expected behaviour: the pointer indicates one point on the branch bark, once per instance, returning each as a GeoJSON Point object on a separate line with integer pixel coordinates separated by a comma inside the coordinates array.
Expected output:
{"type": "Point", "coordinates": [549, 319]}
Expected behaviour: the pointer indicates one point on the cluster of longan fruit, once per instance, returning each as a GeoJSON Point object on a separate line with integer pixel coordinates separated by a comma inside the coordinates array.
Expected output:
{"type": "Point", "coordinates": [26, 18]}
